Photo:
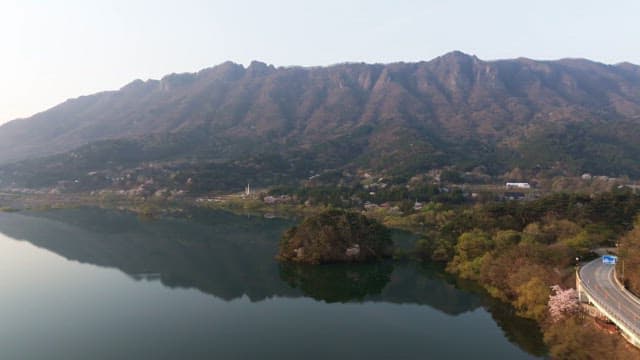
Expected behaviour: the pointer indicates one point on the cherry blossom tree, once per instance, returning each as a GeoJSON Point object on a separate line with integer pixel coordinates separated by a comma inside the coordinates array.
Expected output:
{"type": "Point", "coordinates": [562, 302]}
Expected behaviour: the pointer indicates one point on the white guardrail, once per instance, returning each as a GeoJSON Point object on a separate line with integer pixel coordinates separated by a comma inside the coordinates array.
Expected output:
{"type": "Point", "coordinates": [628, 329]}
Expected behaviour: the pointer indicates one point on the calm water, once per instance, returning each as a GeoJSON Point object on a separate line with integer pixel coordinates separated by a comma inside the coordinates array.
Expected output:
{"type": "Point", "coordinates": [96, 284]}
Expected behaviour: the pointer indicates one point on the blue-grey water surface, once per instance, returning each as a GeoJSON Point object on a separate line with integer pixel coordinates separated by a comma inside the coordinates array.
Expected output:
{"type": "Point", "coordinates": [97, 284]}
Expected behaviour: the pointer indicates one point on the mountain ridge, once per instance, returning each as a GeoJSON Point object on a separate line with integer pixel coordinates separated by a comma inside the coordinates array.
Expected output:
{"type": "Point", "coordinates": [454, 110]}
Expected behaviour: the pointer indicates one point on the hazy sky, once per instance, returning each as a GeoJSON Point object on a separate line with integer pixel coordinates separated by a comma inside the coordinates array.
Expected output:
{"type": "Point", "coordinates": [54, 50]}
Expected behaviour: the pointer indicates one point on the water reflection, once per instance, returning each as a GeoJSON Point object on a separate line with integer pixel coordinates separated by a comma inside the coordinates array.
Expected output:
{"type": "Point", "coordinates": [230, 256]}
{"type": "Point", "coordinates": [340, 282]}
{"type": "Point", "coordinates": [523, 332]}
{"type": "Point", "coordinates": [218, 253]}
{"type": "Point", "coordinates": [227, 256]}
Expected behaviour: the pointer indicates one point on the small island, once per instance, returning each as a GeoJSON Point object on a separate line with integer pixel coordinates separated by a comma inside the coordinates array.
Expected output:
{"type": "Point", "coordinates": [335, 236]}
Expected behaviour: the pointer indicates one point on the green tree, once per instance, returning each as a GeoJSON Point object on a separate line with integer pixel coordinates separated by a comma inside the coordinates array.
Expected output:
{"type": "Point", "coordinates": [503, 239]}
{"type": "Point", "coordinates": [534, 233]}
{"type": "Point", "coordinates": [532, 298]}
{"type": "Point", "coordinates": [336, 236]}
{"type": "Point", "coordinates": [470, 252]}
{"type": "Point", "coordinates": [630, 254]}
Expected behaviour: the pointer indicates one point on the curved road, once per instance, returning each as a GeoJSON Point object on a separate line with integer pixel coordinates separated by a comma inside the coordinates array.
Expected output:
{"type": "Point", "coordinates": [598, 282]}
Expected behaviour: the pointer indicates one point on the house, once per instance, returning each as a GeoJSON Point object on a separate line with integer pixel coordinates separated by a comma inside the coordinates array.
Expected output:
{"type": "Point", "coordinates": [517, 185]}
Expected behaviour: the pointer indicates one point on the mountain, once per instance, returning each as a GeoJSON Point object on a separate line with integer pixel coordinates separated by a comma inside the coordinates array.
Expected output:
{"type": "Point", "coordinates": [285, 123]}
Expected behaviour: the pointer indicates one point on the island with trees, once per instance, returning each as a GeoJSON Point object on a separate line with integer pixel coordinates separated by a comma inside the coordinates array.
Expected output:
{"type": "Point", "coordinates": [334, 236]}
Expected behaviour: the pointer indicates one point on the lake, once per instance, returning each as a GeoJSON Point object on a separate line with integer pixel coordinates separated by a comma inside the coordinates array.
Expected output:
{"type": "Point", "coordinates": [97, 284]}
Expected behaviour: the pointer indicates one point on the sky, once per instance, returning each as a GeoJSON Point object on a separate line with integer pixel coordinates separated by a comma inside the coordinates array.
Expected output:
{"type": "Point", "coordinates": [52, 50]}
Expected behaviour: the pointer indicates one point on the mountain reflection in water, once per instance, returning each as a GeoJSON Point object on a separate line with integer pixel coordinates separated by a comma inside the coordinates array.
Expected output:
{"type": "Point", "coordinates": [230, 256]}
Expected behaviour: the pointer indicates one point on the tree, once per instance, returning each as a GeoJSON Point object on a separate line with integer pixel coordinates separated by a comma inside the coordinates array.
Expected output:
{"type": "Point", "coordinates": [336, 236]}
{"type": "Point", "coordinates": [506, 238]}
{"type": "Point", "coordinates": [532, 299]}
{"type": "Point", "coordinates": [470, 253]}
{"type": "Point", "coordinates": [574, 339]}
{"type": "Point", "coordinates": [534, 233]}
{"type": "Point", "coordinates": [581, 242]}
{"type": "Point", "coordinates": [443, 251]}
{"type": "Point", "coordinates": [472, 244]}
{"type": "Point", "coordinates": [561, 229]}
{"type": "Point", "coordinates": [562, 302]}
{"type": "Point", "coordinates": [630, 254]}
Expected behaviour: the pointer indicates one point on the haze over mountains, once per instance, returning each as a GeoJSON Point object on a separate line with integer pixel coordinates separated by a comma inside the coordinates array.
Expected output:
{"type": "Point", "coordinates": [567, 116]}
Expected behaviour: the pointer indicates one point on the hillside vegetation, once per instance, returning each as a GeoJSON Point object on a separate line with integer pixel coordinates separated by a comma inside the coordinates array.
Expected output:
{"type": "Point", "coordinates": [222, 124]}
{"type": "Point", "coordinates": [336, 236]}
{"type": "Point", "coordinates": [521, 251]}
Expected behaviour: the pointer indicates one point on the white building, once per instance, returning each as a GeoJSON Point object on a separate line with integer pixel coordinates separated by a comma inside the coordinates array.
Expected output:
{"type": "Point", "coordinates": [517, 185]}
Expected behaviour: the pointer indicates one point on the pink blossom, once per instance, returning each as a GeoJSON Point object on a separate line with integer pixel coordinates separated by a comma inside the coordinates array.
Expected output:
{"type": "Point", "coordinates": [562, 302]}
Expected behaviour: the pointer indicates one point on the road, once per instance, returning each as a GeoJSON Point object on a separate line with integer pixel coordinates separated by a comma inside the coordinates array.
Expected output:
{"type": "Point", "coordinates": [597, 279]}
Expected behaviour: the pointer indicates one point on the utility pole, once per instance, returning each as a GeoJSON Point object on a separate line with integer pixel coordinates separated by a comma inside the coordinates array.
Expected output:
{"type": "Point", "coordinates": [618, 253]}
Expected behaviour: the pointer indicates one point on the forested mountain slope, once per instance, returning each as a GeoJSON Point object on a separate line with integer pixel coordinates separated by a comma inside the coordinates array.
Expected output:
{"type": "Point", "coordinates": [455, 110]}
